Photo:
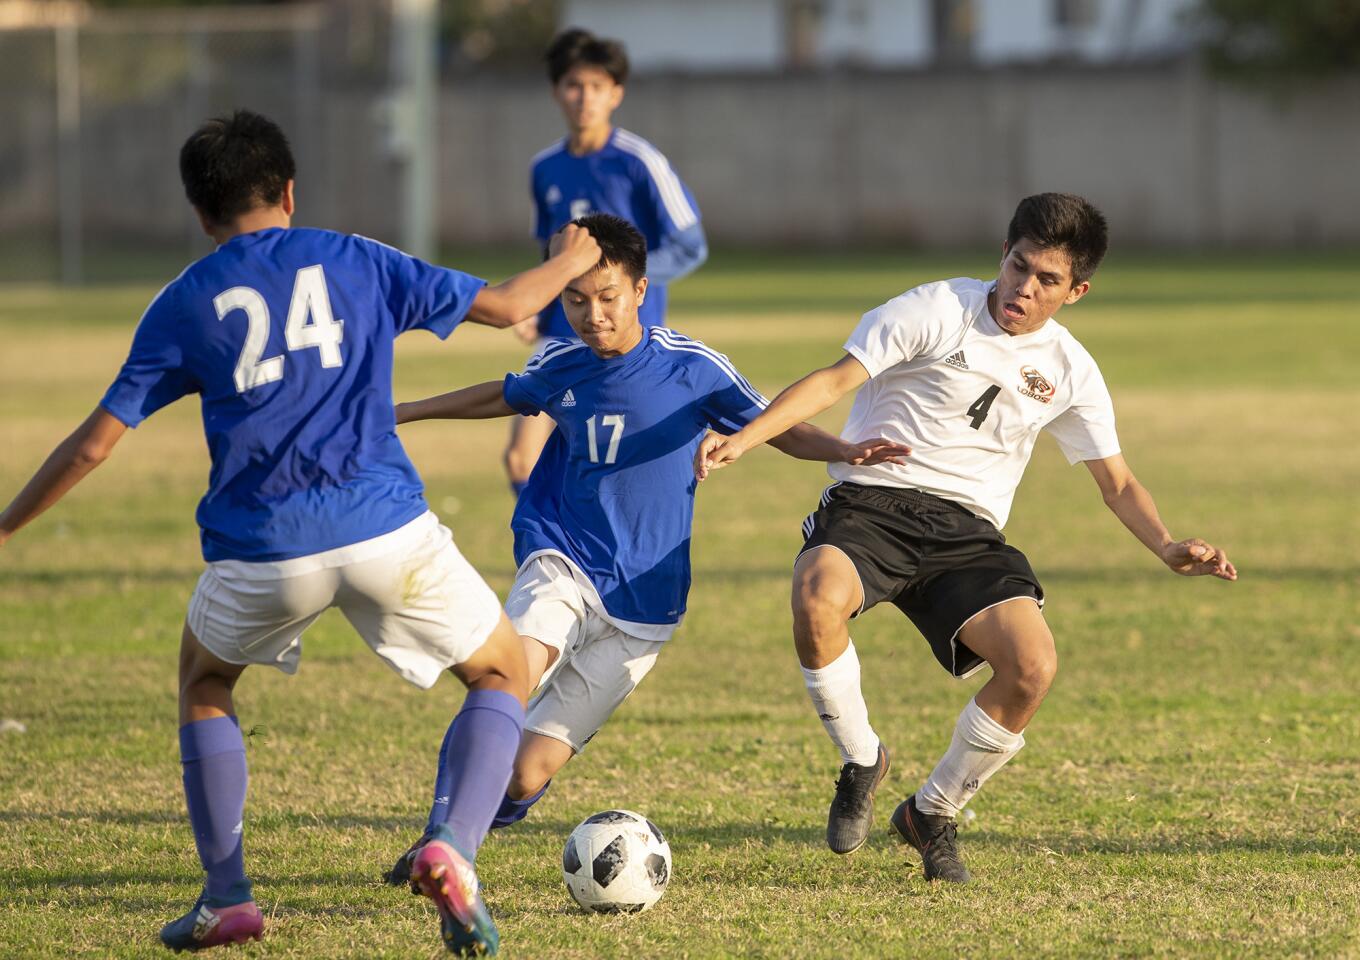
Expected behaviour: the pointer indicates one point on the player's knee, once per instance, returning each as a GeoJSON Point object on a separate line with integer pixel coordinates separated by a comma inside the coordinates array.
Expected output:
{"type": "Point", "coordinates": [527, 780]}
{"type": "Point", "coordinates": [1034, 673]}
{"type": "Point", "coordinates": [819, 601]}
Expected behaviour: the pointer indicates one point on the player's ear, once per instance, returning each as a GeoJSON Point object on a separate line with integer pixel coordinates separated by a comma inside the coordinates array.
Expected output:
{"type": "Point", "coordinates": [1005, 249]}
{"type": "Point", "coordinates": [616, 97]}
{"type": "Point", "coordinates": [287, 202]}
{"type": "Point", "coordinates": [640, 288]}
{"type": "Point", "coordinates": [1077, 292]}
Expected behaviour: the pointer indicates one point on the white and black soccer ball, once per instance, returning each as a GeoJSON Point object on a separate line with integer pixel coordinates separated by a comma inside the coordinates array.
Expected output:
{"type": "Point", "coordinates": [616, 861]}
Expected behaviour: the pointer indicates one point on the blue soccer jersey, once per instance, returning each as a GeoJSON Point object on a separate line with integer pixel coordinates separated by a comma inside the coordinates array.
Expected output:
{"type": "Point", "coordinates": [287, 336]}
{"type": "Point", "coordinates": [614, 488]}
{"type": "Point", "coordinates": [629, 178]}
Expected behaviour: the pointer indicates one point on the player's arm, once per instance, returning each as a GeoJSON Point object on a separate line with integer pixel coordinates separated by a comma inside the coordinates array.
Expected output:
{"type": "Point", "coordinates": [573, 252]}
{"type": "Point", "coordinates": [1133, 505]}
{"type": "Point", "coordinates": [480, 402]}
{"type": "Point", "coordinates": [679, 254]}
{"type": "Point", "coordinates": [801, 401]}
{"type": "Point", "coordinates": [806, 442]}
{"type": "Point", "coordinates": [85, 449]}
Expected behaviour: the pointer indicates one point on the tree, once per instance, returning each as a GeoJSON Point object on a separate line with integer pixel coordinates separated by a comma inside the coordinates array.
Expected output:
{"type": "Point", "coordinates": [1271, 39]}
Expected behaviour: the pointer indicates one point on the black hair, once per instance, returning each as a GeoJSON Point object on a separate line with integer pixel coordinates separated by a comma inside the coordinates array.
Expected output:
{"type": "Point", "coordinates": [1063, 220]}
{"type": "Point", "coordinates": [232, 164]}
{"type": "Point", "coordinates": [577, 47]}
{"type": "Point", "coordinates": [621, 244]}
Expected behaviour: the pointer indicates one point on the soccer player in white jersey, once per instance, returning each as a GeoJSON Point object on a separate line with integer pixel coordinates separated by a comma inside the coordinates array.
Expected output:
{"type": "Point", "coordinates": [600, 168]}
{"type": "Point", "coordinates": [602, 530]}
{"type": "Point", "coordinates": [968, 372]}
{"type": "Point", "coordinates": [311, 502]}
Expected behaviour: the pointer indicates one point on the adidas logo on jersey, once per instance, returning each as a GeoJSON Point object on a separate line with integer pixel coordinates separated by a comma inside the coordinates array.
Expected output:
{"type": "Point", "coordinates": [568, 399]}
{"type": "Point", "coordinates": [956, 360]}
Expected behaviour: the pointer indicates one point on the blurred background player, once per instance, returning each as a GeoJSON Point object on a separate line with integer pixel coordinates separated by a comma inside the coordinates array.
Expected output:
{"type": "Point", "coordinates": [602, 530]}
{"type": "Point", "coordinates": [968, 372]}
{"type": "Point", "coordinates": [287, 336]}
{"type": "Point", "coordinates": [600, 168]}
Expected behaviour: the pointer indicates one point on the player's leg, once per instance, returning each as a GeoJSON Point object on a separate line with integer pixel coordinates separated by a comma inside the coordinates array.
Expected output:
{"type": "Point", "coordinates": [424, 609]}
{"type": "Point", "coordinates": [481, 747]}
{"type": "Point", "coordinates": [214, 767]}
{"type": "Point", "coordinates": [578, 699]}
{"type": "Point", "coordinates": [233, 620]}
{"type": "Point", "coordinates": [528, 435]}
{"type": "Point", "coordinates": [1014, 639]}
{"type": "Point", "coordinates": [546, 607]}
{"type": "Point", "coordinates": [826, 593]}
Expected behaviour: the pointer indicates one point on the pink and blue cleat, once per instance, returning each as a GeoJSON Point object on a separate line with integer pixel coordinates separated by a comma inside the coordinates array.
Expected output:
{"type": "Point", "coordinates": [209, 925]}
{"type": "Point", "coordinates": [446, 877]}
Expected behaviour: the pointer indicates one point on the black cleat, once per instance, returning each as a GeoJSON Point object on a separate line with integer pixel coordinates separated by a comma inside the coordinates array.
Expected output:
{"type": "Point", "coordinates": [934, 839]}
{"type": "Point", "coordinates": [852, 812]}
{"type": "Point", "coordinates": [400, 874]}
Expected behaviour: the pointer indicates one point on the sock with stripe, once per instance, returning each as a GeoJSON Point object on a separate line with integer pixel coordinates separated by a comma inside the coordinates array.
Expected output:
{"type": "Point", "coordinates": [836, 696]}
{"type": "Point", "coordinates": [214, 759]}
{"type": "Point", "coordinates": [980, 748]}
{"type": "Point", "coordinates": [479, 753]}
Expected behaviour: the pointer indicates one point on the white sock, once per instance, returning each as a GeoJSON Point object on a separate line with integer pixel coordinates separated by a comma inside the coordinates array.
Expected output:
{"type": "Point", "coordinates": [980, 748]}
{"type": "Point", "coordinates": [834, 690]}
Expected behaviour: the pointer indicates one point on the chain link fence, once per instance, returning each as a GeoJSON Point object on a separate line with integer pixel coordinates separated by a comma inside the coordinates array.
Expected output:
{"type": "Point", "coordinates": [93, 111]}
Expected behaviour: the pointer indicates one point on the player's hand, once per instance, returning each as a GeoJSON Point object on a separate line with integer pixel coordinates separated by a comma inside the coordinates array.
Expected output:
{"type": "Point", "coordinates": [577, 244]}
{"type": "Point", "coordinates": [1196, 558]}
{"type": "Point", "coordinates": [526, 330]}
{"type": "Point", "coordinates": [867, 453]}
{"type": "Point", "coordinates": [715, 452]}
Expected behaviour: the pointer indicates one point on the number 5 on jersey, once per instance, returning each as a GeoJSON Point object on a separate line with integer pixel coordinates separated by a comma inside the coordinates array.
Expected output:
{"type": "Point", "coordinates": [614, 420]}
{"type": "Point", "coordinates": [310, 324]}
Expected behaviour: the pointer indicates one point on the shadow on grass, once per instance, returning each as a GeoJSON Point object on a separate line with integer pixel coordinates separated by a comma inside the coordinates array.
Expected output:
{"type": "Point", "coordinates": [1143, 846]}
{"type": "Point", "coordinates": [1114, 576]}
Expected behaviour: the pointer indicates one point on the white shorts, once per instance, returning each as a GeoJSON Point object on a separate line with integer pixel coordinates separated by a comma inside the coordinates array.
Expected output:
{"type": "Point", "coordinates": [411, 595]}
{"type": "Point", "coordinates": [598, 665]}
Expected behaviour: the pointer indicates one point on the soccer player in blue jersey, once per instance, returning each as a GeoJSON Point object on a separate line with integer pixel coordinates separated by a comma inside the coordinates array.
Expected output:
{"type": "Point", "coordinates": [286, 335]}
{"type": "Point", "coordinates": [600, 168]}
{"type": "Point", "coordinates": [602, 529]}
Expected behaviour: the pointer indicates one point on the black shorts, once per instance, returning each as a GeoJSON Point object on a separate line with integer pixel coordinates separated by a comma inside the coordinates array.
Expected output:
{"type": "Point", "coordinates": [937, 563]}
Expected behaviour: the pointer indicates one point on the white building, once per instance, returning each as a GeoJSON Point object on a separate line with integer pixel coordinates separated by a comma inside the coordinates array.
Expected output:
{"type": "Point", "coordinates": [762, 35]}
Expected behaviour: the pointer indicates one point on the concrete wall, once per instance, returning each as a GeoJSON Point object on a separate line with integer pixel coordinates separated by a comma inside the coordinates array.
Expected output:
{"type": "Point", "coordinates": [940, 158]}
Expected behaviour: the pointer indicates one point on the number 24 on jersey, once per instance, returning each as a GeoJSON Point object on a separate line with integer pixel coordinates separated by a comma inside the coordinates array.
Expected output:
{"type": "Point", "coordinates": [310, 324]}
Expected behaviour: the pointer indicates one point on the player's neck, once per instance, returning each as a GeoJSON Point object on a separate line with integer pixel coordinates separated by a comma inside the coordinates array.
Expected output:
{"type": "Point", "coordinates": [261, 218]}
{"type": "Point", "coordinates": [621, 349]}
{"type": "Point", "coordinates": [590, 140]}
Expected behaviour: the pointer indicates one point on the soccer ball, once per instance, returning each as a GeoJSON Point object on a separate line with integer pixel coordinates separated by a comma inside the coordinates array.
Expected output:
{"type": "Point", "coordinates": [616, 861]}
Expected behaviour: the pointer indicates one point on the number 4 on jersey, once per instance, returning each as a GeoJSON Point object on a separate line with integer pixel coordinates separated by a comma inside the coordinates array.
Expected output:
{"type": "Point", "coordinates": [310, 324]}
{"type": "Point", "coordinates": [978, 411]}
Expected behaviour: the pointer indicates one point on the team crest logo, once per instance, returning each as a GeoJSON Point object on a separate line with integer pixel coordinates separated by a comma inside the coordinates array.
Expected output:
{"type": "Point", "coordinates": [1036, 385]}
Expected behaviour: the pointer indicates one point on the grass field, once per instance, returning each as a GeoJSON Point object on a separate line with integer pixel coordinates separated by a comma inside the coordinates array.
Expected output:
{"type": "Point", "coordinates": [1191, 786]}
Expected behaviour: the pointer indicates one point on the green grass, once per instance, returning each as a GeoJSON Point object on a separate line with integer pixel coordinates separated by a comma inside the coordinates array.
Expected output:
{"type": "Point", "coordinates": [1189, 788]}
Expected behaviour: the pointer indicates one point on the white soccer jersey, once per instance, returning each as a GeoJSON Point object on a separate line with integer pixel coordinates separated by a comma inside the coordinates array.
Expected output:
{"type": "Point", "coordinates": [969, 398]}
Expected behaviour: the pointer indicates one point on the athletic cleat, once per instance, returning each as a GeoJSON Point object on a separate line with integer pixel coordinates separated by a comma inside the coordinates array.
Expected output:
{"type": "Point", "coordinates": [213, 926]}
{"type": "Point", "coordinates": [934, 838]}
{"type": "Point", "coordinates": [446, 877]}
{"type": "Point", "coordinates": [400, 874]}
{"type": "Point", "coordinates": [852, 812]}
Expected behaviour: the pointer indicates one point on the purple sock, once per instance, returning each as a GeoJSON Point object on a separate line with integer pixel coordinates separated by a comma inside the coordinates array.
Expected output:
{"type": "Point", "coordinates": [479, 753]}
{"type": "Point", "coordinates": [513, 811]}
{"type": "Point", "coordinates": [214, 758]}
{"type": "Point", "coordinates": [443, 780]}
